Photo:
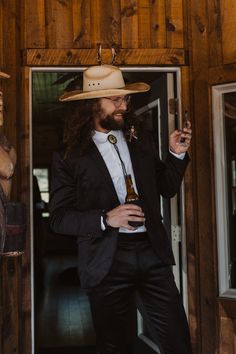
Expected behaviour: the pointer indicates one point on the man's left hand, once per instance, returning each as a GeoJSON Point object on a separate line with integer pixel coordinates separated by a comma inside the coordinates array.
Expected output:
{"type": "Point", "coordinates": [180, 139]}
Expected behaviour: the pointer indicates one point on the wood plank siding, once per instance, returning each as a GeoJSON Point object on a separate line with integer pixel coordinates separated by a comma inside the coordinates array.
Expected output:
{"type": "Point", "coordinates": [196, 35]}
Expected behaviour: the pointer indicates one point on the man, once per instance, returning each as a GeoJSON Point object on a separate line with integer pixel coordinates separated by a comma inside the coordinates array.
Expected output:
{"type": "Point", "coordinates": [117, 260]}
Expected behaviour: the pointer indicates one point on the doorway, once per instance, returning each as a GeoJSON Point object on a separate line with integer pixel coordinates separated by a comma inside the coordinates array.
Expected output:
{"type": "Point", "coordinates": [62, 317]}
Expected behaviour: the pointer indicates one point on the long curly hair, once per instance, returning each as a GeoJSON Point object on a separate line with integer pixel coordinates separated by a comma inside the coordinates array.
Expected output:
{"type": "Point", "coordinates": [80, 124]}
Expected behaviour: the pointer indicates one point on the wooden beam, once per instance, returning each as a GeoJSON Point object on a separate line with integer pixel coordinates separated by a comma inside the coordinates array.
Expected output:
{"type": "Point", "coordinates": [24, 195]}
{"type": "Point", "coordinates": [222, 74]}
{"type": "Point", "coordinates": [77, 57]}
{"type": "Point", "coordinates": [204, 211]}
{"type": "Point", "coordinates": [190, 220]}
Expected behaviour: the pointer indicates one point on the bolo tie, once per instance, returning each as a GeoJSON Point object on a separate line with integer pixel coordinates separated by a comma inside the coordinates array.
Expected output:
{"type": "Point", "coordinates": [112, 140]}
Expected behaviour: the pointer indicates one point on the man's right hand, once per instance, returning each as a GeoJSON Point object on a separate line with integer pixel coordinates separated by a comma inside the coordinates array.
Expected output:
{"type": "Point", "coordinates": [121, 215]}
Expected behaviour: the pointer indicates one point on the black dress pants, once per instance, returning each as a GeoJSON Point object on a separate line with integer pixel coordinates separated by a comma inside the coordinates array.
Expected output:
{"type": "Point", "coordinates": [137, 270]}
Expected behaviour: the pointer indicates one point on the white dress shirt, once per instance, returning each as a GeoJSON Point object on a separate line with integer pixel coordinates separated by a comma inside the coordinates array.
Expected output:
{"type": "Point", "coordinates": [114, 166]}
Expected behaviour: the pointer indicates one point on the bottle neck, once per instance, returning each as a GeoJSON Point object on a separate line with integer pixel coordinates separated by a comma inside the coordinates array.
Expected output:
{"type": "Point", "coordinates": [131, 194]}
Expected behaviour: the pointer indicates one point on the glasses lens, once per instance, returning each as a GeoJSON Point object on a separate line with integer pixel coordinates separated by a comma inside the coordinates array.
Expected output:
{"type": "Point", "coordinates": [117, 101]}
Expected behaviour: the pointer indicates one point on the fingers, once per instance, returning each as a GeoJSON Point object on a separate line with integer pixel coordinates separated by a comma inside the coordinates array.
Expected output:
{"type": "Point", "coordinates": [121, 215]}
{"type": "Point", "coordinates": [132, 218]}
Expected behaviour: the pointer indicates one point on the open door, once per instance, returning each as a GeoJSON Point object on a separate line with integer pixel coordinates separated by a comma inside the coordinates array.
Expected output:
{"type": "Point", "coordinates": [163, 114]}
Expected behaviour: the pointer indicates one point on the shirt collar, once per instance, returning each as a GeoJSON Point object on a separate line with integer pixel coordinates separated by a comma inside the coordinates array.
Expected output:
{"type": "Point", "coordinates": [101, 138]}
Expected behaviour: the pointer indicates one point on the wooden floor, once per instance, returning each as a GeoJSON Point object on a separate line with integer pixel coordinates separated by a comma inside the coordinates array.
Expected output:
{"type": "Point", "coordinates": [62, 314]}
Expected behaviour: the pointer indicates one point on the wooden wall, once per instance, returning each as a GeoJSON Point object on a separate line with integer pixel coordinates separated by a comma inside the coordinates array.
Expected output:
{"type": "Point", "coordinates": [198, 36]}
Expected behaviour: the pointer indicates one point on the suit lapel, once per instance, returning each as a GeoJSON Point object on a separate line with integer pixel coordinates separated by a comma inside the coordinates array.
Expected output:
{"type": "Point", "coordinates": [97, 159]}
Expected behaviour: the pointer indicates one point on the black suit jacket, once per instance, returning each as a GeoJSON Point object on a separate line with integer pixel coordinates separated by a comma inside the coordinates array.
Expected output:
{"type": "Point", "coordinates": [82, 188]}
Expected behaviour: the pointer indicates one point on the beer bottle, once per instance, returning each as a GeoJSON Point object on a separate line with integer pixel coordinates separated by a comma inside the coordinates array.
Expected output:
{"type": "Point", "coordinates": [132, 198]}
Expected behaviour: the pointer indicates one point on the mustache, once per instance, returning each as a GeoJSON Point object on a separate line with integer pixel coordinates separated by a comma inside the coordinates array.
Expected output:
{"type": "Point", "coordinates": [119, 111]}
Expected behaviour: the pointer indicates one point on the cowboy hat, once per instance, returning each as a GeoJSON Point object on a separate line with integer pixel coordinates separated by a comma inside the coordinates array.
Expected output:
{"type": "Point", "coordinates": [103, 81]}
{"type": "Point", "coordinates": [4, 75]}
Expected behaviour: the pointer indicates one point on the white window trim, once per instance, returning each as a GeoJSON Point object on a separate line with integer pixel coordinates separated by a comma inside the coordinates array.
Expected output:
{"type": "Point", "coordinates": [221, 189]}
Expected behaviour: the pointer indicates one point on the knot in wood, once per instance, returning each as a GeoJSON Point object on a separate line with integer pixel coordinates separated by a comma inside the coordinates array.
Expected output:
{"type": "Point", "coordinates": [170, 26]}
{"type": "Point", "coordinates": [199, 24]}
{"type": "Point", "coordinates": [129, 11]}
{"type": "Point", "coordinates": [174, 60]}
{"type": "Point", "coordinates": [69, 54]}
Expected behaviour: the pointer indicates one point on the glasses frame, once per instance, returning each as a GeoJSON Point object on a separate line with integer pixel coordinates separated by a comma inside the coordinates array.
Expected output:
{"type": "Point", "coordinates": [117, 101]}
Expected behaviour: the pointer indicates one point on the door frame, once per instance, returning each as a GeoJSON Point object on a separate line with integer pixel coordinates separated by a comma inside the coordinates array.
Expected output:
{"type": "Point", "coordinates": [26, 168]}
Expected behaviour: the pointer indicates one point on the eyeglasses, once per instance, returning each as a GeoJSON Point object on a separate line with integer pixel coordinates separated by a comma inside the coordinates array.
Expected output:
{"type": "Point", "coordinates": [117, 101]}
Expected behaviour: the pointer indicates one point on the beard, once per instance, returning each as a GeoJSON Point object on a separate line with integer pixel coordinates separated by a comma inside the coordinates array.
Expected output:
{"type": "Point", "coordinates": [109, 122]}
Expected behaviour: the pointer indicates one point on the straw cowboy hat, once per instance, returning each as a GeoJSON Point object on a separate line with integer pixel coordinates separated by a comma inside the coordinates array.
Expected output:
{"type": "Point", "coordinates": [103, 81]}
{"type": "Point", "coordinates": [4, 75]}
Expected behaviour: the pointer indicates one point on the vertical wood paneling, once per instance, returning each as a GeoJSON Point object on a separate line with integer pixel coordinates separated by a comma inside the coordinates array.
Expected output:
{"type": "Point", "coordinates": [95, 23]}
{"type": "Point", "coordinates": [129, 24]}
{"type": "Point", "coordinates": [234, 335]}
{"type": "Point", "coordinates": [11, 297]}
{"type": "Point", "coordinates": [174, 23]}
{"type": "Point", "coordinates": [215, 39]}
{"type": "Point", "coordinates": [33, 26]}
{"type": "Point", "coordinates": [111, 22]}
{"type": "Point", "coordinates": [81, 23]}
{"type": "Point", "coordinates": [59, 24]}
{"type": "Point", "coordinates": [226, 338]}
{"type": "Point", "coordinates": [11, 61]}
{"type": "Point", "coordinates": [157, 24]}
{"type": "Point", "coordinates": [144, 37]}
{"type": "Point", "coordinates": [105, 23]}
{"type": "Point", "coordinates": [1, 307]}
{"type": "Point", "coordinates": [228, 15]}
{"type": "Point", "coordinates": [1, 36]}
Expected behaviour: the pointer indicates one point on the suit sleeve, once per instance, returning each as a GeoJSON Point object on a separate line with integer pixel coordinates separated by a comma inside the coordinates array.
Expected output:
{"type": "Point", "coordinates": [65, 216]}
{"type": "Point", "coordinates": [169, 173]}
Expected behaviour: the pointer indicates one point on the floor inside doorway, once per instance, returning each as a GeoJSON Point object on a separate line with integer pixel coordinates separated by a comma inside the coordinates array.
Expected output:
{"type": "Point", "coordinates": [63, 322]}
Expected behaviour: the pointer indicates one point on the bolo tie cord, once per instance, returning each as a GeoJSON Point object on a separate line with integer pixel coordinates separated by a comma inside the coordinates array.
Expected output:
{"type": "Point", "coordinates": [112, 139]}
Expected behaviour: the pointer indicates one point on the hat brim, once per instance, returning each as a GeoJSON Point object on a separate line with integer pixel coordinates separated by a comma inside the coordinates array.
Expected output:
{"type": "Point", "coordinates": [130, 89]}
{"type": "Point", "coordinates": [4, 75]}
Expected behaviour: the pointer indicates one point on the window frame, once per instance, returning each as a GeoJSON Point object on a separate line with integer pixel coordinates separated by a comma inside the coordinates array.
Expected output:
{"type": "Point", "coordinates": [221, 189]}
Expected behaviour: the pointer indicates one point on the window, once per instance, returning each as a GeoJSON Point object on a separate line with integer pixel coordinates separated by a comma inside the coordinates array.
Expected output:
{"type": "Point", "coordinates": [224, 128]}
